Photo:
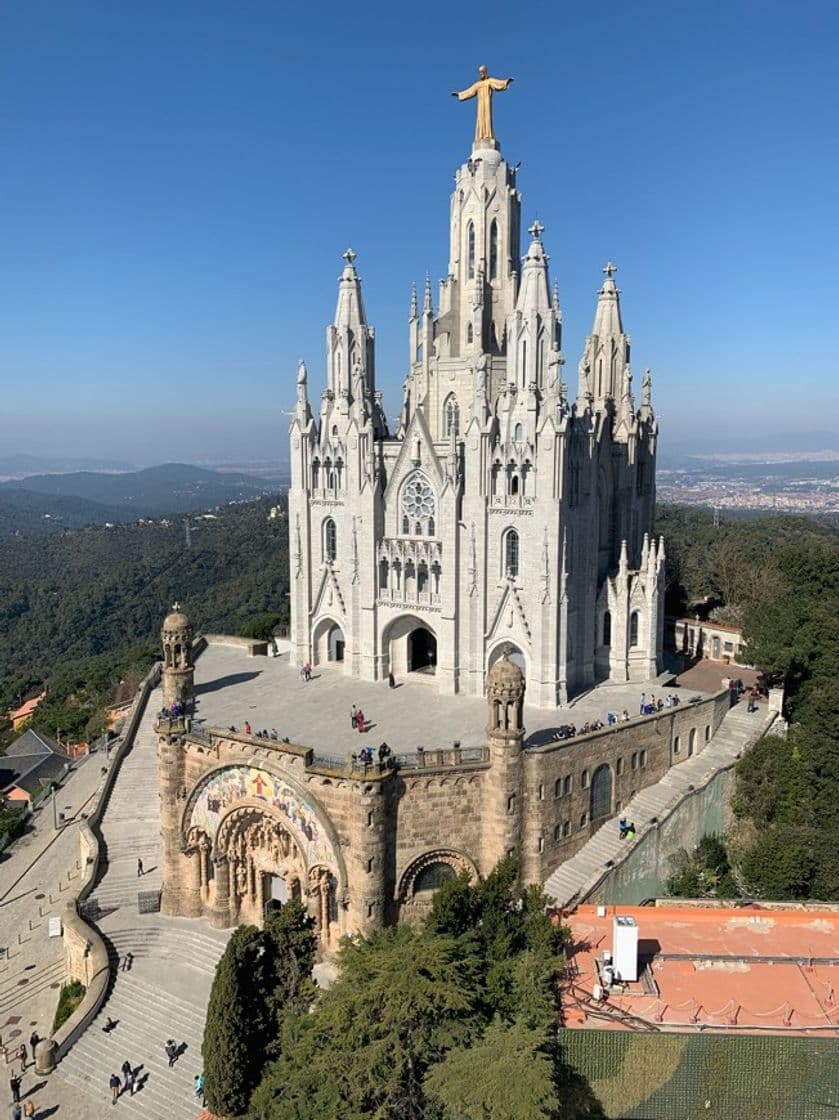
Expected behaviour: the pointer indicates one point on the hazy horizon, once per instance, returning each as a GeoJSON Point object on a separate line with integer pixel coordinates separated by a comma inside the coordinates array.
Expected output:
{"type": "Point", "coordinates": [186, 177]}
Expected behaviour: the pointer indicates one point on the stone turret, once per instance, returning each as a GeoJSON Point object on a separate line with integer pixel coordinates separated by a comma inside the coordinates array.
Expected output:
{"type": "Point", "coordinates": [503, 808]}
{"type": "Point", "coordinates": [178, 670]}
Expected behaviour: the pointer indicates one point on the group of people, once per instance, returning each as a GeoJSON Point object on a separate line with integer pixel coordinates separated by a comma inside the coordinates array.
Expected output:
{"type": "Point", "coordinates": [357, 720]}
{"type": "Point", "coordinates": [273, 734]}
{"type": "Point", "coordinates": [626, 830]}
{"type": "Point", "coordinates": [306, 671]}
{"type": "Point", "coordinates": [648, 705]}
{"type": "Point", "coordinates": [365, 755]}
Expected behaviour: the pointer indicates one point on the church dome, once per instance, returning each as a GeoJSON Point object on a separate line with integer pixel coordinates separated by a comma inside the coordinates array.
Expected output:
{"type": "Point", "coordinates": [176, 619]}
{"type": "Point", "coordinates": [504, 673]}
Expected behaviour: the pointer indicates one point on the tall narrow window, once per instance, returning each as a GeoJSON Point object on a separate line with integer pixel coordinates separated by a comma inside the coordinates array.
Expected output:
{"type": "Point", "coordinates": [330, 540]}
{"type": "Point", "coordinates": [470, 251]}
{"type": "Point", "coordinates": [523, 362]}
{"type": "Point", "coordinates": [518, 433]}
{"type": "Point", "coordinates": [493, 251]}
{"type": "Point", "coordinates": [470, 334]}
{"type": "Point", "coordinates": [452, 424]}
{"type": "Point", "coordinates": [633, 629]}
{"type": "Point", "coordinates": [511, 553]}
{"type": "Point", "coordinates": [607, 629]}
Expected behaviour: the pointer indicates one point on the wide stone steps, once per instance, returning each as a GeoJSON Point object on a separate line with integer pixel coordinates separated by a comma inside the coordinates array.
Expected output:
{"type": "Point", "coordinates": [738, 730]}
{"type": "Point", "coordinates": [12, 988]}
{"type": "Point", "coordinates": [146, 1015]}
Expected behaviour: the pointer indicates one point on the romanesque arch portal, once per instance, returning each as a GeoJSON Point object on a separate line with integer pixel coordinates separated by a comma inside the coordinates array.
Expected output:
{"type": "Point", "coordinates": [259, 843]}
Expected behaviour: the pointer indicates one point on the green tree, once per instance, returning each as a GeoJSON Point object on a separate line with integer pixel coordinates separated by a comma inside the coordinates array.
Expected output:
{"type": "Point", "coordinates": [782, 862]}
{"type": "Point", "coordinates": [261, 627]}
{"type": "Point", "coordinates": [506, 1075]}
{"type": "Point", "coordinates": [238, 1024]}
{"type": "Point", "coordinates": [291, 944]}
{"type": "Point", "coordinates": [400, 1002]}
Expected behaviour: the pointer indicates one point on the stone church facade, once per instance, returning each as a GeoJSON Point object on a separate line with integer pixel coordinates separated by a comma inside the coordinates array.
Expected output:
{"type": "Point", "coordinates": [503, 511]}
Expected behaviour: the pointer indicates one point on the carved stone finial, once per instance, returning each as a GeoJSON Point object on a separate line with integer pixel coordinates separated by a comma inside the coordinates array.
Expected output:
{"type": "Point", "coordinates": [610, 270]}
{"type": "Point", "coordinates": [536, 230]}
{"type": "Point", "coordinates": [350, 256]}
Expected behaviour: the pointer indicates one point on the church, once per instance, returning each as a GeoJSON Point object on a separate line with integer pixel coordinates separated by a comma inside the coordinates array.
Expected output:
{"type": "Point", "coordinates": [504, 511]}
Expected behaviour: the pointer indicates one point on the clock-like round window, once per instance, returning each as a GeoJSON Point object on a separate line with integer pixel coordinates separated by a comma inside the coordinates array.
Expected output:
{"type": "Point", "coordinates": [417, 500]}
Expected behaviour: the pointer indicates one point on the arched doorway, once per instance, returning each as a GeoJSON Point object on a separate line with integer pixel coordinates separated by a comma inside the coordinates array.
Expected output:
{"type": "Point", "coordinates": [601, 793]}
{"type": "Point", "coordinates": [336, 644]}
{"type": "Point", "coordinates": [422, 651]}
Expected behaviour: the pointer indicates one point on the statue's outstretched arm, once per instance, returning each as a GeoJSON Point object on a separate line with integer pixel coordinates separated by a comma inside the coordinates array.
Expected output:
{"type": "Point", "coordinates": [465, 94]}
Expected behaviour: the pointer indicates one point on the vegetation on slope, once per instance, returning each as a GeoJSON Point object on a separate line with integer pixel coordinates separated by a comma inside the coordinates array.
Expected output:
{"type": "Point", "coordinates": [81, 610]}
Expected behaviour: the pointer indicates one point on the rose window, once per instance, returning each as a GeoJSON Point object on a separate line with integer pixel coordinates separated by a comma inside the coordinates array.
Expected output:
{"type": "Point", "coordinates": [418, 507]}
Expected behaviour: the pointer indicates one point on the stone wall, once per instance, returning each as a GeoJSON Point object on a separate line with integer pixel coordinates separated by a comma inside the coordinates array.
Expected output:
{"type": "Point", "coordinates": [559, 777]}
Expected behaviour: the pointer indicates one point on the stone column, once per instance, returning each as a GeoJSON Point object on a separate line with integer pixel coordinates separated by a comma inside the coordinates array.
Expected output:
{"type": "Point", "coordinates": [220, 911]}
{"type": "Point", "coordinates": [191, 895]}
{"type": "Point", "coordinates": [369, 856]}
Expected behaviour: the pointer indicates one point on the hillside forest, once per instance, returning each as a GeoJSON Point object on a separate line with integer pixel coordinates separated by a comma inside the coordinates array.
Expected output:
{"type": "Point", "coordinates": [80, 613]}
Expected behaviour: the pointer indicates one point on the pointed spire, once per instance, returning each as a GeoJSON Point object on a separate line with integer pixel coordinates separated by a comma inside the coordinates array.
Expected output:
{"type": "Point", "coordinates": [646, 395]}
{"type": "Point", "coordinates": [302, 376]}
{"type": "Point", "coordinates": [350, 309]}
{"type": "Point", "coordinates": [555, 297]}
{"type": "Point", "coordinates": [645, 550]}
{"type": "Point", "coordinates": [534, 291]}
{"type": "Point", "coordinates": [427, 303]}
{"type": "Point", "coordinates": [623, 563]}
{"type": "Point", "coordinates": [414, 304]}
{"type": "Point", "coordinates": [607, 318]}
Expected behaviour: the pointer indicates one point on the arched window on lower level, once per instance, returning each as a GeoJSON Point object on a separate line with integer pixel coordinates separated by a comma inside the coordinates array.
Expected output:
{"type": "Point", "coordinates": [633, 629]}
{"type": "Point", "coordinates": [433, 876]}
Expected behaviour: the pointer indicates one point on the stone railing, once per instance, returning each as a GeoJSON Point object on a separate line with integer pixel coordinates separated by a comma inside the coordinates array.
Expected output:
{"type": "Point", "coordinates": [85, 949]}
{"type": "Point", "coordinates": [253, 647]}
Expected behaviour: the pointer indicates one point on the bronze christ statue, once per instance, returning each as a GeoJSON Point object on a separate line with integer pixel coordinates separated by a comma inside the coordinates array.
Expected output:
{"type": "Point", "coordinates": [483, 89]}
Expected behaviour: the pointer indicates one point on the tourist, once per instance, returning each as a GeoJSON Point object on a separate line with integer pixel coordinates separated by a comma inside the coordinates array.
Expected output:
{"type": "Point", "coordinates": [33, 1042]}
{"type": "Point", "coordinates": [16, 1113]}
{"type": "Point", "coordinates": [109, 1025]}
{"type": "Point", "coordinates": [247, 728]}
{"type": "Point", "coordinates": [623, 827]}
{"type": "Point", "coordinates": [171, 1051]}
{"type": "Point", "coordinates": [384, 752]}
{"type": "Point", "coordinates": [127, 1073]}
{"type": "Point", "coordinates": [14, 1085]}
{"type": "Point", "coordinates": [139, 869]}
{"type": "Point", "coordinates": [641, 704]}
{"type": "Point", "coordinates": [353, 715]}
{"type": "Point", "coordinates": [624, 715]}
{"type": "Point", "coordinates": [29, 1109]}
{"type": "Point", "coordinates": [360, 721]}
{"type": "Point", "coordinates": [307, 671]}
{"type": "Point", "coordinates": [115, 1085]}
{"type": "Point", "coordinates": [391, 683]}
{"type": "Point", "coordinates": [22, 1055]}
{"type": "Point", "coordinates": [630, 832]}
{"type": "Point", "coordinates": [199, 1087]}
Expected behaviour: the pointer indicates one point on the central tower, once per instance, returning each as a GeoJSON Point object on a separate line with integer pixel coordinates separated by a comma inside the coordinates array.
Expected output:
{"type": "Point", "coordinates": [499, 515]}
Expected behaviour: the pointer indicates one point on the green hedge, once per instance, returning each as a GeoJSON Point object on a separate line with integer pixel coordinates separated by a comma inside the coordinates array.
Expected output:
{"type": "Point", "coordinates": [71, 996]}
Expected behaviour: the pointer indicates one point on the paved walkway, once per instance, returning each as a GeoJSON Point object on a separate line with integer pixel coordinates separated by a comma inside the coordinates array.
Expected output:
{"type": "Point", "coordinates": [165, 992]}
{"type": "Point", "coordinates": [36, 875]}
{"type": "Point", "coordinates": [573, 879]}
{"type": "Point", "coordinates": [268, 692]}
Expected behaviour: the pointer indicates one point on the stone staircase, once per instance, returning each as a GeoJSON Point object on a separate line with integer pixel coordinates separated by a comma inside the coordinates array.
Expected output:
{"type": "Point", "coordinates": [573, 880]}
{"type": "Point", "coordinates": [164, 994]}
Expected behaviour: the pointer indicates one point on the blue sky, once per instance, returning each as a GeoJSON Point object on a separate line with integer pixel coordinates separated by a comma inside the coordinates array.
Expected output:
{"type": "Point", "coordinates": [181, 178]}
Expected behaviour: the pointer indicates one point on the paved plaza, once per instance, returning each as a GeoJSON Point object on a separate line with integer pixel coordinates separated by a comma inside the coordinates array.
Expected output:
{"type": "Point", "coordinates": [269, 693]}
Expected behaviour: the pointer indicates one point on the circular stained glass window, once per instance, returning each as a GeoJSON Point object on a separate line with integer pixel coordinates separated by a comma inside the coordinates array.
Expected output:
{"type": "Point", "coordinates": [418, 499]}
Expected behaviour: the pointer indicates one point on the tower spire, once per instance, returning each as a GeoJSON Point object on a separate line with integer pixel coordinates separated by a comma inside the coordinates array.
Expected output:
{"type": "Point", "coordinates": [350, 346]}
{"type": "Point", "coordinates": [606, 353]}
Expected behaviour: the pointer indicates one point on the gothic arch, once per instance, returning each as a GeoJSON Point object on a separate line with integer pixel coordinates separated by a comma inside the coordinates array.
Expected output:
{"type": "Point", "coordinates": [327, 634]}
{"type": "Point", "coordinates": [418, 871]}
{"type": "Point", "coordinates": [328, 851]}
{"type": "Point", "coordinates": [514, 652]}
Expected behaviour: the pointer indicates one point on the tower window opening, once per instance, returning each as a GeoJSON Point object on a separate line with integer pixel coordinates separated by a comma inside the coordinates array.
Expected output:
{"type": "Point", "coordinates": [422, 578]}
{"type": "Point", "coordinates": [330, 540]}
{"type": "Point", "coordinates": [470, 251]}
{"type": "Point", "coordinates": [514, 484]}
{"type": "Point", "coordinates": [493, 251]}
{"type": "Point", "coordinates": [633, 629]}
{"type": "Point", "coordinates": [470, 334]}
{"type": "Point", "coordinates": [431, 526]}
{"type": "Point", "coordinates": [511, 553]}
{"type": "Point", "coordinates": [607, 628]}
{"type": "Point", "coordinates": [452, 419]}
{"type": "Point", "coordinates": [518, 433]}
{"type": "Point", "coordinates": [315, 473]}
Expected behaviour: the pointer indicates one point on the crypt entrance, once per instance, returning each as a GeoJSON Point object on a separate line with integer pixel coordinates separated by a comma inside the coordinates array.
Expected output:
{"type": "Point", "coordinates": [256, 865]}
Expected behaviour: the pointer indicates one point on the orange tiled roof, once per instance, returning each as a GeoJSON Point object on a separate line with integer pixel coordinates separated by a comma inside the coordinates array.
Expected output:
{"type": "Point", "coordinates": [744, 969]}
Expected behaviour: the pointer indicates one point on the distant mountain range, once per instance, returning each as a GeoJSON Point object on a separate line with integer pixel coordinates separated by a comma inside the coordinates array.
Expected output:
{"type": "Point", "coordinates": [43, 503]}
{"type": "Point", "coordinates": [769, 447]}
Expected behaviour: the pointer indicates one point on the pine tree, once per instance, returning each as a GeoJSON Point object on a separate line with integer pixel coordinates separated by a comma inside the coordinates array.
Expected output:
{"type": "Point", "coordinates": [237, 1027]}
{"type": "Point", "coordinates": [290, 938]}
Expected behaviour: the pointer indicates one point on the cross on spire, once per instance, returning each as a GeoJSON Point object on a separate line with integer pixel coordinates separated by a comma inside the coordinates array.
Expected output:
{"type": "Point", "coordinates": [176, 606]}
{"type": "Point", "coordinates": [349, 256]}
{"type": "Point", "coordinates": [536, 230]}
{"type": "Point", "coordinates": [610, 270]}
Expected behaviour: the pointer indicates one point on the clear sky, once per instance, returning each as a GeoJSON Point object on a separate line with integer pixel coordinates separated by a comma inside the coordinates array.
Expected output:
{"type": "Point", "coordinates": [180, 179]}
